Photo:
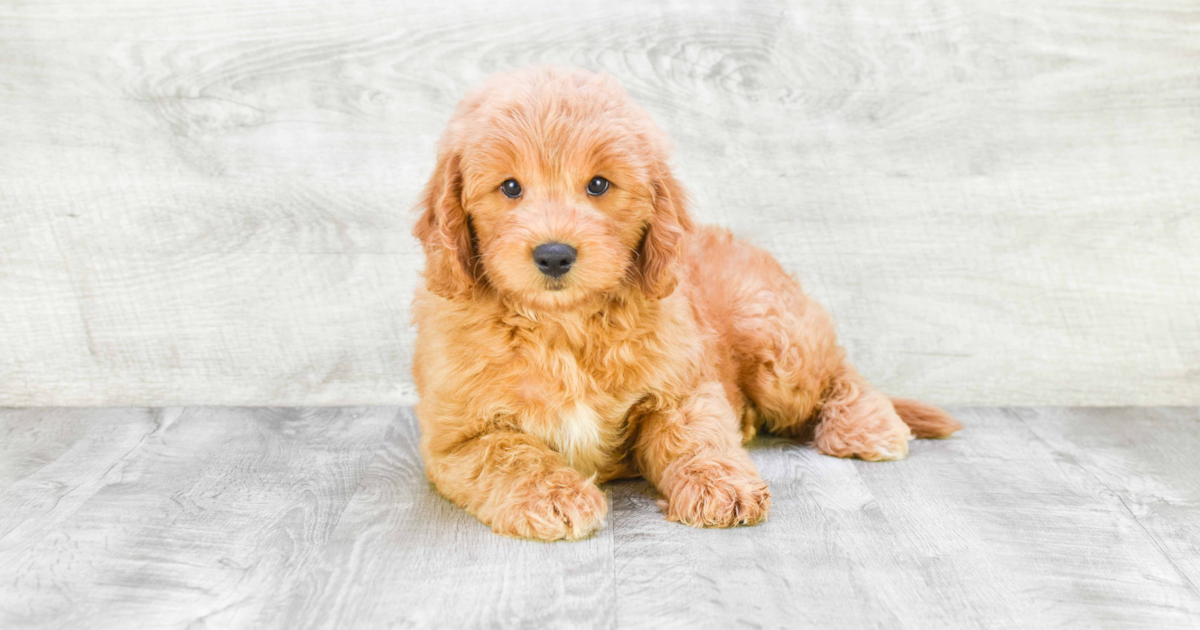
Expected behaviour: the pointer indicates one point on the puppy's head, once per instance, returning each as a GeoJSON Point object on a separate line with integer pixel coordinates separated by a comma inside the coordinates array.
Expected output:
{"type": "Point", "coordinates": [551, 187]}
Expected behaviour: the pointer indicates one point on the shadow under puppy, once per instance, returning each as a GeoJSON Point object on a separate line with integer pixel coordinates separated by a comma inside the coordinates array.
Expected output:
{"type": "Point", "coordinates": [575, 326]}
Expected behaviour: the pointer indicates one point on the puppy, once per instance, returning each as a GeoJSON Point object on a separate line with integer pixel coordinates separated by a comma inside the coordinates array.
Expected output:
{"type": "Point", "coordinates": [575, 326]}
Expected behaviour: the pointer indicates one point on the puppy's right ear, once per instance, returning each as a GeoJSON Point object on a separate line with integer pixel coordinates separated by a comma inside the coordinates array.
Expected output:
{"type": "Point", "coordinates": [444, 231]}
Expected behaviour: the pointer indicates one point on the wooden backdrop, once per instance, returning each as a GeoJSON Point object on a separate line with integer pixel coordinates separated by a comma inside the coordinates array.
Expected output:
{"type": "Point", "coordinates": [209, 201]}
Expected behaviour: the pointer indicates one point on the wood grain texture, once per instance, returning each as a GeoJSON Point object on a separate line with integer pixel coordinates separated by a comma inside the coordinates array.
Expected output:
{"type": "Point", "coordinates": [431, 569]}
{"type": "Point", "coordinates": [322, 518]}
{"type": "Point", "coordinates": [190, 527]}
{"type": "Point", "coordinates": [209, 202]}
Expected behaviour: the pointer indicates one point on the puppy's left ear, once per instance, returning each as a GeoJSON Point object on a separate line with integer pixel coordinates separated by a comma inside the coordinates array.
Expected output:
{"type": "Point", "coordinates": [662, 245]}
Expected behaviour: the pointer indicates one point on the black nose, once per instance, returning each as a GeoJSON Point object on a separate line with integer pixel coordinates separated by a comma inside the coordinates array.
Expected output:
{"type": "Point", "coordinates": [554, 259]}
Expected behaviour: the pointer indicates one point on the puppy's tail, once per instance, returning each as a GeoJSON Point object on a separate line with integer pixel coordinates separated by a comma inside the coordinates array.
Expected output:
{"type": "Point", "coordinates": [926, 421]}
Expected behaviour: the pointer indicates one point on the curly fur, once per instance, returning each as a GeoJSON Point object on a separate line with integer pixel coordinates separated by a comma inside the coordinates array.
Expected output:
{"type": "Point", "coordinates": [659, 354]}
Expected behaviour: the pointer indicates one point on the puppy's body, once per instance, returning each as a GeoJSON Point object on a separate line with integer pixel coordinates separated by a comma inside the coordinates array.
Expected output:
{"type": "Point", "coordinates": [662, 349]}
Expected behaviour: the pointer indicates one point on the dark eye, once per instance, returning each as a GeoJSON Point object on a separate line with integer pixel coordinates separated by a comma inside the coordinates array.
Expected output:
{"type": "Point", "coordinates": [511, 188]}
{"type": "Point", "coordinates": [598, 186]}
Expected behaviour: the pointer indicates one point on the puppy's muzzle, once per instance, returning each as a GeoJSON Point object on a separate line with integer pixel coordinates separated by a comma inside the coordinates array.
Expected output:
{"type": "Point", "coordinates": [554, 259]}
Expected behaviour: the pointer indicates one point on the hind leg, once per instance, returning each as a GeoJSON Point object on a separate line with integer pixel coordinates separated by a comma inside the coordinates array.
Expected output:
{"type": "Point", "coordinates": [856, 420]}
{"type": "Point", "coordinates": [802, 386]}
{"type": "Point", "coordinates": [823, 399]}
{"type": "Point", "coordinates": [789, 363]}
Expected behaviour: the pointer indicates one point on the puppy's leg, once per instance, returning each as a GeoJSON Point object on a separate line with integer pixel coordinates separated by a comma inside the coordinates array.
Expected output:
{"type": "Point", "coordinates": [693, 454]}
{"type": "Point", "coordinates": [803, 387]}
{"type": "Point", "coordinates": [856, 420]}
{"type": "Point", "coordinates": [844, 415]}
{"type": "Point", "coordinates": [513, 482]}
{"type": "Point", "coordinates": [850, 418]}
{"type": "Point", "coordinates": [790, 365]}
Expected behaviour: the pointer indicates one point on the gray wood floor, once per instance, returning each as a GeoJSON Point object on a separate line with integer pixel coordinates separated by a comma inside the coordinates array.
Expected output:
{"type": "Point", "coordinates": [294, 518]}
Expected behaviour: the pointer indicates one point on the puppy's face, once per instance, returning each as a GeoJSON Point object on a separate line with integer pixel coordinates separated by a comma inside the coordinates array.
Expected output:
{"type": "Point", "coordinates": [551, 188]}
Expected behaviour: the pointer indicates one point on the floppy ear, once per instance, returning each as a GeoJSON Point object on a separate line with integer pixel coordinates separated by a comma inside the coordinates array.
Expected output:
{"type": "Point", "coordinates": [662, 245]}
{"type": "Point", "coordinates": [444, 231]}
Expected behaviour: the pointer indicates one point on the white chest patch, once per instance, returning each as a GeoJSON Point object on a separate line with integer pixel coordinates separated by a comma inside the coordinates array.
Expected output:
{"type": "Point", "coordinates": [585, 437]}
{"type": "Point", "coordinates": [579, 437]}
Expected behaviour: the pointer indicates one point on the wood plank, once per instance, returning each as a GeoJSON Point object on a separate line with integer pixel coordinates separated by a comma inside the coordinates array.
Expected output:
{"type": "Point", "coordinates": [49, 456]}
{"type": "Point", "coordinates": [220, 517]}
{"type": "Point", "coordinates": [1146, 458]}
{"type": "Point", "coordinates": [991, 528]}
{"type": "Point", "coordinates": [207, 202]}
{"type": "Point", "coordinates": [403, 556]}
{"type": "Point", "coordinates": [201, 522]}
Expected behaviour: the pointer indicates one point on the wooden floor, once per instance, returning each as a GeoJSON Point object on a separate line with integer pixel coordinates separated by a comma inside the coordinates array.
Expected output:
{"type": "Point", "coordinates": [296, 518]}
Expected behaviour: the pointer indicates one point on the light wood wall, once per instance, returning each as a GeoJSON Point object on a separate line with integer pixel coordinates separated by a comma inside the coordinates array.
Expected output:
{"type": "Point", "coordinates": [209, 201]}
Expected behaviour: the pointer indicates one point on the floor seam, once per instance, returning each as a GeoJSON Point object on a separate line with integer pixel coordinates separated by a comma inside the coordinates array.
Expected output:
{"type": "Point", "coordinates": [155, 415]}
{"type": "Point", "coordinates": [1191, 586]}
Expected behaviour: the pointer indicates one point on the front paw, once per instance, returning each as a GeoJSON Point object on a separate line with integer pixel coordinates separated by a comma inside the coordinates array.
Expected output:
{"type": "Point", "coordinates": [716, 493]}
{"type": "Point", "coordinates": [553, 506]}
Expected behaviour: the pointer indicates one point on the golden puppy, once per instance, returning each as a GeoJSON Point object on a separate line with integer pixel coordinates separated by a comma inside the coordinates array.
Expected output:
{"type": "Point", "coordinates": [575, 326]}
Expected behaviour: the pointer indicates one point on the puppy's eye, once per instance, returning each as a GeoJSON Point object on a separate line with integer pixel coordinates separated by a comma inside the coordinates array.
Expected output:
{"type": "Point", "coordinates": [511, 188]}
{"type": "Point", "coordinates": [598, 186]}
